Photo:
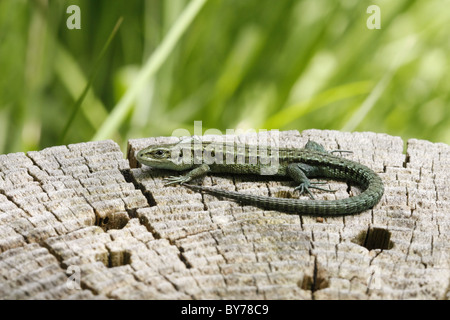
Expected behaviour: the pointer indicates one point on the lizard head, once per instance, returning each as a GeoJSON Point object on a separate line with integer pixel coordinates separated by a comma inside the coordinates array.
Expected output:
{"type": "Point", "coordinates": [168, 156]}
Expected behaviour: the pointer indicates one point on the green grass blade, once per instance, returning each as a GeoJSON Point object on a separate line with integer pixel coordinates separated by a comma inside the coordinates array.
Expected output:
{"type": "Point", "coordinates": [287, 115]}
{"type": "Point", "coordinates": [376, 93]}
{"type": "Point", "coordinates": [75, 82]}
{"type": "Point", "coordinates": [80, 99]}
{"type": "Point", "coordinates": [155, 61]}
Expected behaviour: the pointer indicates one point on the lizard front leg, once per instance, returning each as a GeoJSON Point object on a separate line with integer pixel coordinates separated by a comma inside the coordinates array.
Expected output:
{"type": "Point", "coordinates": [197, 172]}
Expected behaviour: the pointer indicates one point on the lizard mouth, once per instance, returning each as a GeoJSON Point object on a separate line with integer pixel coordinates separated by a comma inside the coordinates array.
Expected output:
{"type": "Point", "coordinates": [142, 157]}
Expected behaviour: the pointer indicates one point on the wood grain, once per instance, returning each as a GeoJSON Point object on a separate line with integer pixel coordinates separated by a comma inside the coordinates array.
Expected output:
{"type": "Point", "coordinates": [81, 213]}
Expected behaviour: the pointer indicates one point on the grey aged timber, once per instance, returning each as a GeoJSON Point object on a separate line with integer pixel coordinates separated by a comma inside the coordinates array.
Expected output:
{"type": "Point", "coordinates": [80, 210]}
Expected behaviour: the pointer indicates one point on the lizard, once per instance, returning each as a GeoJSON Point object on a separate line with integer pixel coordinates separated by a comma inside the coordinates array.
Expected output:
{"type": "Point", "coordinates": [299, 164]}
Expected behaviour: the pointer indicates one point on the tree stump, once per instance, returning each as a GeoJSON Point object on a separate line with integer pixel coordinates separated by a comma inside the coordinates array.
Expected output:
{"type": "Point", "coordinates": [80, 222]}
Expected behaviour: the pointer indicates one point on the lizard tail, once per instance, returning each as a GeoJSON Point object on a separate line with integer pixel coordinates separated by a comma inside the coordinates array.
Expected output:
{"type": "Point", "coordinates": [367, 199]}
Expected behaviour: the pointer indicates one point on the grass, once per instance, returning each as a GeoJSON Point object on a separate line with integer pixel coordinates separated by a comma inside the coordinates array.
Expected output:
{"type": "Point", "coordinates": [293, 64]}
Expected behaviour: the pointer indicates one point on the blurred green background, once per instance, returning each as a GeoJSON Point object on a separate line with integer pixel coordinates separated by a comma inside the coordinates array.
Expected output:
{"type": "Point", "coordinates": [261, 64]}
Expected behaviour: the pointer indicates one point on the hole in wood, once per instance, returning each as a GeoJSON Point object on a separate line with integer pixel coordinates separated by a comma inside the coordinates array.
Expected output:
{"type": "Point", "coordinates": [317, 281]}
{"type": "Point", "coordinates": [377, 238]}
{"type": "Point", "coordinates": [118, 258]}
{"type": "Point", "coordinates": [116, 220]}
{"type": "Point", "coordinates": [306, 283]}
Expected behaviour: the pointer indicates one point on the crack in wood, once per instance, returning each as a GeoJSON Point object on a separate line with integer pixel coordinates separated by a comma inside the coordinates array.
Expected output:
{"type": "Point", "coordinates": [129, 177]}
{"type": "Point", "coordinates": [176, 250]}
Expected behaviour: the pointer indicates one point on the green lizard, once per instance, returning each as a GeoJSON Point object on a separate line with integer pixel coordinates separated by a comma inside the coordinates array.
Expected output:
{"type": "Point", "coordinates": [298, 164]}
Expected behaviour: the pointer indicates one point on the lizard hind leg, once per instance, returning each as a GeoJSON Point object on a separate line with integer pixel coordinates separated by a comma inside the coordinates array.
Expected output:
{"type": "Point", "coordinates": [314, 146]}
{"type": "Point", "coordinates": [299, 173]}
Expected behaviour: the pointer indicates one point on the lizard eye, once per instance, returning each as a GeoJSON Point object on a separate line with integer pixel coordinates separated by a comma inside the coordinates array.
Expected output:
{"type": "Point", "coordinates": [159, 153]}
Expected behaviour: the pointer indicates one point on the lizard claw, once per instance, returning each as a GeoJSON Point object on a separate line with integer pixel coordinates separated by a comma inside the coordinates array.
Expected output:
{"type": "Point", "coordinates": [176, 179]}
{"type": "Point", "coordinates": [305, 186]}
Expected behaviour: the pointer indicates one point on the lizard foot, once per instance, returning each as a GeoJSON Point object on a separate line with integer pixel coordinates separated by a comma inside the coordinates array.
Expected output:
{"type": "Point", "coordinates": [340, 151]}
{"type": "Point", "coordinates": [176, 179]}
{"type": "Point", "coordinates": [305, 186]}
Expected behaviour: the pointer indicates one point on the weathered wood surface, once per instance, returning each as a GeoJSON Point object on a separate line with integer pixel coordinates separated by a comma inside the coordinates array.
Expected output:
{"type": "Point", "coordinates": [80, 213]}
